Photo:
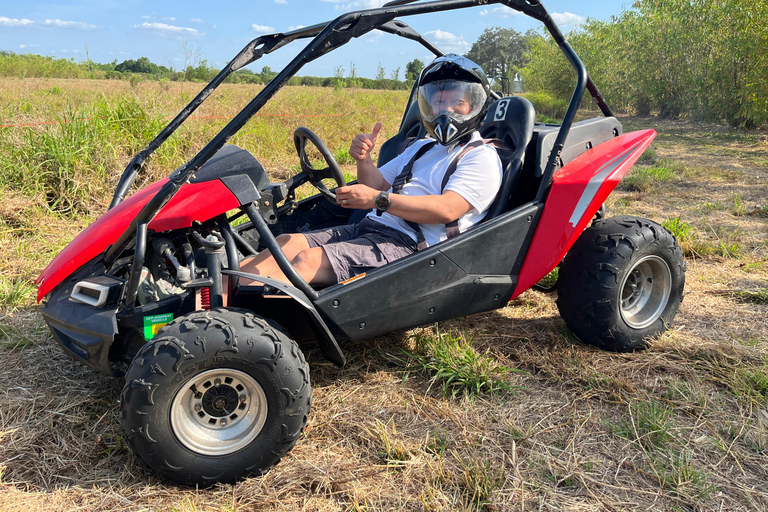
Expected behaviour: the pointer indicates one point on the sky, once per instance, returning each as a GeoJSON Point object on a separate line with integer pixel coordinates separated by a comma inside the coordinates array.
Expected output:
{"type": "Point", "coordinates": [173, 33]}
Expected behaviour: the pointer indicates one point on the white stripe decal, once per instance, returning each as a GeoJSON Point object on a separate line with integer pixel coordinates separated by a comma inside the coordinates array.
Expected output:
{"type": "Point", "coordinates": [594, 184]}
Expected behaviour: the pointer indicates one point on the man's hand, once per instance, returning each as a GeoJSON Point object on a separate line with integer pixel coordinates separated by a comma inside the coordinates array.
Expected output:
{"type": "Point", "coordinates": [357, 196]}
{"type": "Point", "coordinates": [363, 144]}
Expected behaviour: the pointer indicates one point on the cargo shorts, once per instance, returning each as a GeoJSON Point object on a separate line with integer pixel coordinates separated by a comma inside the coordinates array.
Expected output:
{"type": "Point", "coordinates": [355, 249]}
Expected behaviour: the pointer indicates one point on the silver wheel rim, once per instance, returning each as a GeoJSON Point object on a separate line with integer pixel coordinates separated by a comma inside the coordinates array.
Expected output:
{"type": "Point", "coordinates": [218, 412]}
{"type": "Point", "coordinates": [645, 291]}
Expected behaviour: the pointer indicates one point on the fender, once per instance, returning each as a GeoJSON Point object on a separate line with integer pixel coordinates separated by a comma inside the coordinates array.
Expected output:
{"type": "Point", "coordinates": [194, 201]}
{"type": "Point", "coordinates": [577, 191]}
{"type": "Point", "coordinates": [328, 344]}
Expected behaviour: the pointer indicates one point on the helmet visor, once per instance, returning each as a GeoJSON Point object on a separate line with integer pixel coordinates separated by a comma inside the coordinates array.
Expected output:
{"type": "Point", "coordinates": [461, 100]}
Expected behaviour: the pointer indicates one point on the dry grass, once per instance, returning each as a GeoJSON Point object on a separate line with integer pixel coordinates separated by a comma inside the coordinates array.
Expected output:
{"type": "Point", "coordinates": [680, 426]}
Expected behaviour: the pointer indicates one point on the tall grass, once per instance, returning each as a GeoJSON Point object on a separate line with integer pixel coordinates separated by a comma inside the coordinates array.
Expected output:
{"type": "Point", "coordinates": [73, 164]}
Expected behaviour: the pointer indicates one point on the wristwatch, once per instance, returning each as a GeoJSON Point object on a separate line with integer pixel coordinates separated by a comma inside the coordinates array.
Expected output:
{"type": "Point", "coordinates": [382, 202]}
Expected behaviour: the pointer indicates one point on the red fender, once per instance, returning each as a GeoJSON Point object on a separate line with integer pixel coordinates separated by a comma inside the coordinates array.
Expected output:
{"type": "Point", "coordinates": [578, 190]}
{"type": "Point", "coordinates": [195, 201]}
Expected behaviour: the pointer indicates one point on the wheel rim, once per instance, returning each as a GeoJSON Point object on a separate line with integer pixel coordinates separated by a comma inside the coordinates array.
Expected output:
{"type": "Point", "coordinates": [218, 412]}
{"type": "Point", "coordinates": [645, 292]}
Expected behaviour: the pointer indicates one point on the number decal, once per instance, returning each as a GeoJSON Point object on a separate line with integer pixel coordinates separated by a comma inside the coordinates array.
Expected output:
{"type": "Point", "coordinates": [501, 110]}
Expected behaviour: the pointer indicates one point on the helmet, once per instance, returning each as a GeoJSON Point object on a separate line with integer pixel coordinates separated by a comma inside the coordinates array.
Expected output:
{"type": "Point", "coordinates": [453, 98]}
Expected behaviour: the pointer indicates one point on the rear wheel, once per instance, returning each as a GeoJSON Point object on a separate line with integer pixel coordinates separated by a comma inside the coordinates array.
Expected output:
{"type": "Point", "coordinates": [621, 283]}
{"type": "Point", "coordinates": [216, 396]}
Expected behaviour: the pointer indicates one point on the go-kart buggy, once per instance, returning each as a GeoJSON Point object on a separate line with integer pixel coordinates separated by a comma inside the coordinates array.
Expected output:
{"type": "Point", "coordinates": [216, 387]}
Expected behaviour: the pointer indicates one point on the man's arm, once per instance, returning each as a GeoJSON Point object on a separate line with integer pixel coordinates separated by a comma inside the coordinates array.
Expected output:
{"type": "Point", "coordinates": [367, 172]}
{"type": "Point", "coordinates": [472, 187]}
{"type": "Point", "coordinates": [432, 209]}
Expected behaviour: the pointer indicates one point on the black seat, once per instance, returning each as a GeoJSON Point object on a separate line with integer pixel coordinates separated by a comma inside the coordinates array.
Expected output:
{"type": "Point", "coordinates": [510, 120]}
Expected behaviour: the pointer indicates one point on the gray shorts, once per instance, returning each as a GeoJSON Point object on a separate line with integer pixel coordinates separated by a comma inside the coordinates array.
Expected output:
{"type": "Point", "coordinates": [354, 249]}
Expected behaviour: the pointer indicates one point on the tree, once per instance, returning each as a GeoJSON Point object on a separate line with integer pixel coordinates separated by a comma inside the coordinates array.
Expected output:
{"type": "Point", "coordinates": [413, 69]}
{"type": "Point", "coordinates": [500, 51]}
{"type": "Point", "coordinates": [192, 57]}
{"type": "Point", "coordinates": [395, 74]}
{"type": "Point", "coordinates": [267, 74]}
{"type": "Point", "coordinates": [380, 72]}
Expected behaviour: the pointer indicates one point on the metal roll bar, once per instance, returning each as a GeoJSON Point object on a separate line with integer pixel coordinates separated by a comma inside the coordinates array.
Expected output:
{"type": "Point", "coordinates": [326, 37]}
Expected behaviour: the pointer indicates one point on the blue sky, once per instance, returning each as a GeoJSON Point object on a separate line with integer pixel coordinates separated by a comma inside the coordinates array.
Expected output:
{"type": "Point", "coordinates": [173, 31]}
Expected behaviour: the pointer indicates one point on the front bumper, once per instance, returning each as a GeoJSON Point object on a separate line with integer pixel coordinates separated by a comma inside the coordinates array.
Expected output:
{"type": "Point", "coordinates": [85, 332]}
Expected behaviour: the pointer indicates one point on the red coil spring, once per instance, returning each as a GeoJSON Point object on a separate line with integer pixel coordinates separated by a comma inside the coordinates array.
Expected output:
{"type": "Point", "coordinates": [205, 298]}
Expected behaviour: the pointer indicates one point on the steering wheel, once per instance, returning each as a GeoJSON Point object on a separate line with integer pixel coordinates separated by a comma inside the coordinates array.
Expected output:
{"type": "Point", "coordinates": [300, 138]}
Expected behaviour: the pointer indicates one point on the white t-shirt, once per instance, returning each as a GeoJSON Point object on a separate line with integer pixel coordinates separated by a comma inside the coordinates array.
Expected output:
{"type": "Point", "coordinates": [477, 179]}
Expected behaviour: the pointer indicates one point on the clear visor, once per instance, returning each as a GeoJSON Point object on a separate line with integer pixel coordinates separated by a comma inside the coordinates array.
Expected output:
{"type": "Point", "coordinates": [461, 100]}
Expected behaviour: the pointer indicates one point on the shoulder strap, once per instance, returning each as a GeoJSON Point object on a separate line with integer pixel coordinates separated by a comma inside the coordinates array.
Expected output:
{"type": "Point", "coordinates": [407, 172]}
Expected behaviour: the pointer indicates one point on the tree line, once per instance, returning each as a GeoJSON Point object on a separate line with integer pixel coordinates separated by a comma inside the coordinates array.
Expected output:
{"type": "Point", "coordinates": [38, 66]}
{"type": "Point", "coordinates": [704, 60]}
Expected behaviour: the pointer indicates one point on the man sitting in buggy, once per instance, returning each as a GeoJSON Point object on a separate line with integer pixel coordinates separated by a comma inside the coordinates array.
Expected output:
{"type": "Point", "coordinates": [435, 189]}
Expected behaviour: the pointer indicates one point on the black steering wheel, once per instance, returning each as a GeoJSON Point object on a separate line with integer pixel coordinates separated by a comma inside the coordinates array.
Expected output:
{"type": "Point", "coordinates": [300, 138]}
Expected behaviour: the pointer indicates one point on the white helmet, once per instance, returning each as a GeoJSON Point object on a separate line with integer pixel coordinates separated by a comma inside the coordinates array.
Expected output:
{"type": "Point", "coordinates": [453, 98]}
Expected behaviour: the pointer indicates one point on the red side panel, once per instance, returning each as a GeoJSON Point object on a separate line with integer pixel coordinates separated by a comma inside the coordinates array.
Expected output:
{"type": "Point", "coordinates": [197, 201]}
{"type": "Point", "coordinates": [578, 190]}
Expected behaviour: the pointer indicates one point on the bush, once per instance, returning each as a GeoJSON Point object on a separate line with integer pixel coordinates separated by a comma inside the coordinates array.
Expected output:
{"type": "Point", "coordinates": [547, 106]}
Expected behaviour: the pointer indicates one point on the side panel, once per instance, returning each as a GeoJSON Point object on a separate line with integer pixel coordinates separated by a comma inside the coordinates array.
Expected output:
{"type": "Point", "coordinates": [577, 192]}
{"type": "Point", "coordinates": [195, 201]}
{"type": "Point", "coordinates": [468, 274]}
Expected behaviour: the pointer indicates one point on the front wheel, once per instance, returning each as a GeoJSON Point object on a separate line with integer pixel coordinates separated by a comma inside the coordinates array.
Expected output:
{"type": "Point", "coordinates": [216, 396]}
{"type": "Point", "coordinates": [621, 283]}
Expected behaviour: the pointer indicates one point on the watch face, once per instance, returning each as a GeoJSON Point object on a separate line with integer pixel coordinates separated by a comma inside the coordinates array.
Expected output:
{"type": "Point", "coordinates": [382, 202]}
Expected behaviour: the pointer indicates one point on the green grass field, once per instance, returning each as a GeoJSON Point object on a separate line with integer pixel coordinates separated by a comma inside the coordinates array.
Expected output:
{"type": "Point", "coordinates": [499, 411]}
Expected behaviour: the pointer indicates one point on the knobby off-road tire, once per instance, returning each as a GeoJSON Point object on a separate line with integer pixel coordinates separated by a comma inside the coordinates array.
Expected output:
{"type": "Point", "coordinates": [216, 396]}
{"type": "Point", "coordinates": [621, 283]}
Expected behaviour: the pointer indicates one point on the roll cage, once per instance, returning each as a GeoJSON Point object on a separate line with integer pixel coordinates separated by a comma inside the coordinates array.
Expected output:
{"type": "Point", "coordinates": [326, 37]}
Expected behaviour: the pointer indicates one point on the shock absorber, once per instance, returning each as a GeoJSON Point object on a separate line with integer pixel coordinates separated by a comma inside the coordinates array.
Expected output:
{"type": "Point", "coordinates": [214, 250]}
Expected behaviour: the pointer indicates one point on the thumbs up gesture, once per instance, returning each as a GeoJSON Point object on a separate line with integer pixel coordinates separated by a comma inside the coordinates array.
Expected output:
{"type": "Point", "coordinates": [363, 144]}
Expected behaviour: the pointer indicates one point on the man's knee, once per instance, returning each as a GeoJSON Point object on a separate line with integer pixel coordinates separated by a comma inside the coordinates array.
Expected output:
{"type": "Point", "coordinates": [308, 259]}
{"type": "Point", "coordinates": [314, 266]}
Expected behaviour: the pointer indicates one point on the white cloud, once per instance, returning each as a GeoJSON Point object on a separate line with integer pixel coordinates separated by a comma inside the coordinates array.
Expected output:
{"type": "Point", "coordinates": [448, 42]}
{"type": "Point", "coordinates": [501, 12]}
{"type": "Point", "coordinates": [567, 19]}
{"type": "Point", "coordinates": [12, 22]}
{"type": "Point", "coordinates": [262, 29]}
{"type": "Point", "coordinates": [372, 37]}
{"type": "Point", "coordinates": [197, 20]}
{"type": "Point", "coordinates": [146, 17]}
{"type": "Point", "coordinates": [164, 28]}
{"type": "Point", "coordinates": [23, 22]}
{"type": "Point", "coordinates": [69, 24]}
{"type": "Point", "coordinates": [169, 19]}
{"type": "Point", "coordinates": [29, 46]}
{"type": "Point", "coordinates": [356, 5]}
{"type": "Point", "coordinates": [281, 2]}
{"type": "Point", "coordinates": [296, 27]}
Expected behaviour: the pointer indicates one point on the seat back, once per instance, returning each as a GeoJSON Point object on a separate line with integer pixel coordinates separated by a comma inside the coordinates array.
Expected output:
{"type": "Point", "coordinates": [510, 120]}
